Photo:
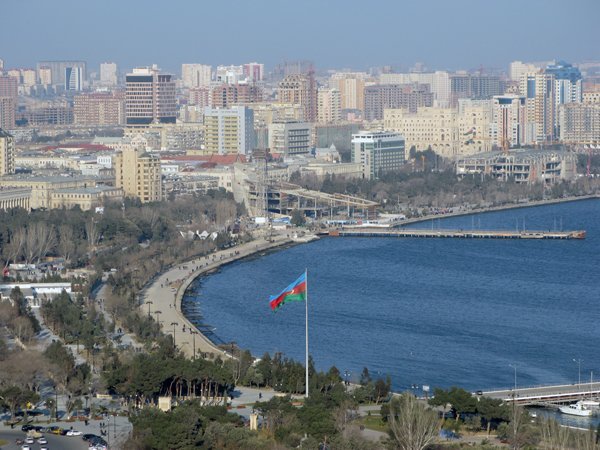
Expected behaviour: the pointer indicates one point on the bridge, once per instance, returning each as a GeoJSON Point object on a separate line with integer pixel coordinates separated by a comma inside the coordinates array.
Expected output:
{"type": "Point", "coordinates": [460, 234]}
{"type": "Point", "coordinates": [546, 395]}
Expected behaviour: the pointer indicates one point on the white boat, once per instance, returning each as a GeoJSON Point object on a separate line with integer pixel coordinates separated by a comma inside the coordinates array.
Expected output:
{"type": "Point", "coordinates": [590, 404]}
{"type": "Point", "coordinates": [576, 410]}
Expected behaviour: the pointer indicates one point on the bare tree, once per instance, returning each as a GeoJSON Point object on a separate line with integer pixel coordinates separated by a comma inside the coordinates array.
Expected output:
{"type": "Point", "coordinates": [92, 234]}
{"type": "Point", "coordinates": [413, 425]}
{"type": "Point", "coordinates": [66, 245]}
{"type": "Point", "coordinates": [15, 248]}
{"type": "Point", "coordinates": [554, 435]}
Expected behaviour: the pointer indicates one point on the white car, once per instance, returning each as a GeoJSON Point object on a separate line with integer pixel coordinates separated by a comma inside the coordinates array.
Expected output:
{"type": "Point", "coordinates": [74, 433]}
{"type": "Point", "coordinates": [29, 440]}
{"type": "Point", "coordinates": [42, 440]}
{"type": "Point", "coordinates": [25, 447]}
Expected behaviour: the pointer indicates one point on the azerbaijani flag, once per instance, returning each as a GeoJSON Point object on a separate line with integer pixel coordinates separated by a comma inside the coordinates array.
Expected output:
{"type": "Point", "coordinates": [295, 292]}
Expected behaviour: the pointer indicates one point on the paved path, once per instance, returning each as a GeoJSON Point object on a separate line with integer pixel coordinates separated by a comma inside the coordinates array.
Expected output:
{"type": "Point", "coordinates": [166, 291]}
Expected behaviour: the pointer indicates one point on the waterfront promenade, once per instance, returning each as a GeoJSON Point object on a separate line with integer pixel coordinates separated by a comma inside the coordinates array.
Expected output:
{"type": "Point", "coordinates": [164, 295]}
{"type": "Point", "coordinates": [542, 395]}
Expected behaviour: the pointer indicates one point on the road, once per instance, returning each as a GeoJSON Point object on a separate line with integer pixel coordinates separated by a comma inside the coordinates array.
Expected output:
{"type": "Point", "coordinates": [564, 393]}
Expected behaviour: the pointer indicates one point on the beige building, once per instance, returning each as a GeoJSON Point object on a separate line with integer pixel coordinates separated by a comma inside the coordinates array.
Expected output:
{"type": "Point", "coordinates": [196, 75]}
{"type": "Point", "coordinates": [539, 92]}
{"type": "Point", "coordinates": [45, 75]}
{"type": "Point", "coordinates": [579, 123]}
{"type": "Point", "coordinates": [328, 105]}
{"type": "Point", "coordinates": [14, 198]}
{"type": "Point", "coordinates": [7, 112]}
{"type": "Point", "coordinates": [7, 153]}
{"type": "Point", "coordinates": [351, 86]}
{"type": "Point", "coordinates": [138, 173]}
{"type": "Point", "coordinates": [591, 97]}
{"type": "Point", "coordinates": [508, 121]}
{"type": "Point", "coordinates": [43, 187]}
{"type": "Point", "coordinates": [446, 131]}
{"type": "Point", "coordinates": [229, 130]}
{"type": "Point", "coordinates": [300, 89]}
{"type": "Point", "coordinates": [99, 109]}
{"type": "Point", "coordinates": [84, 198]}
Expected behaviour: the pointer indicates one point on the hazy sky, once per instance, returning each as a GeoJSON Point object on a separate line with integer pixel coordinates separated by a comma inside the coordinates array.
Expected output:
{"type": "Point", "coordinates": [450, 34]}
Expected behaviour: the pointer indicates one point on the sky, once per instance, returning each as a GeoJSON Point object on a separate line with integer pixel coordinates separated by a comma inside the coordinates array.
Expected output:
{"type": "Point", "coordinates": [357, 34]}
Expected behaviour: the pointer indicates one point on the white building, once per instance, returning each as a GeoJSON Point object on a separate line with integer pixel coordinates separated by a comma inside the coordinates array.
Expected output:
{"type": "Point", "coordinates": [378, 152]}
{"type": "Point", "coordinates": [290, 137]}
{"type": "Point", "coordinates": [108, 74]}
{"type": "Point", "coordinates": [196, 75]}
{"type": "Point", "coordinates": [328, 105]}
{"type": "Point", "coordinates": [508, 121]}
{"type": "Point", "coordinates": [73, 78]}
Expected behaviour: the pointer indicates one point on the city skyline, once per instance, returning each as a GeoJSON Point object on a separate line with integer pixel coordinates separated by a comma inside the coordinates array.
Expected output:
{"type": "Point", "coordinates": [463, 34]}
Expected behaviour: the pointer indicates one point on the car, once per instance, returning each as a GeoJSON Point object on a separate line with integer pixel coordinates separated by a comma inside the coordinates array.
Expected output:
{"type": "Point", "coordinates": [26, 428]}
{"type": "Point", "coordinates": [88, 436]}
{"type": "Point", "coordinates": [25, 447]}
{"type": "Point", "coordinates": [74, 433]}
{"type": "Point", "coordinates": [43, 447]}
{"type": "Point", "coordinates": [98, 441]}
{"type": "Point", "coordinates": [29, 440]}
{"type": "Point", "coordinates": [55, 430]}
{"type": "Point", "coordinates": [42, 440]}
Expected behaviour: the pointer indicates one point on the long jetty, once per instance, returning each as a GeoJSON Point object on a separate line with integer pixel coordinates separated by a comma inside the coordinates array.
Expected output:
{"type": "Point", "coordinates": [546, 395]}
{"type": "Point", "coordinates": [456, 234]}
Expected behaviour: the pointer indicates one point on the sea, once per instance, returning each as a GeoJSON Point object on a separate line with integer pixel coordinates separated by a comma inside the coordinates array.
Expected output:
{"type": "Point", "coordinates": [427, 312]}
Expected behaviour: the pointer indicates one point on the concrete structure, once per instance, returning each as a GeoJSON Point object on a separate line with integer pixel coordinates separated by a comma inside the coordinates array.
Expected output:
{"type": "Point", "coordinates": [196, 75]}
{"type": "Point", "coordinates": [99, 108]}
{"type": "Point", "coordinates": [290, 137]}
{"type": "Point", "coordinates": [328, 105]}
{"type": "Point", "coordinates": [378, 152]}
{"type": "Point", "coordinates": [85, 198]}
{"type": "Point", "coordinates": [7, 153]}
{"type": "Point", "coordinates": [57, 69]}
{"type": "Point", "coordinates": [109, 74]}
{"type": "Point", "coordinates": [229, 130]}
{"type": "Point", "coordinates": [300, 89]}
{"type": "Point", "coordinates": [474, 86]}
{"type": "Point", "coordinates": [579, 123]}
{"type": "Point", "coordinates": [150, 97]}
{"type": "Point", "coordinates": [138, 172]}
{"type": "Point", "coordinates": [395, 96]}
{"type": "Point", "coordinates": [351, 86]}
{"type": "Point", "coordinates": [56, 111]}
{"type": "Point", "coordinates": [523, 165]}
{"type": "Point", "coordinates": [539, 92]}
{"type": "Point", "coordinates": [14, 198]}
{"type": "Point", "coordinates": [508, 121]}
{"type": "Point", "coordinates": [43, 187]}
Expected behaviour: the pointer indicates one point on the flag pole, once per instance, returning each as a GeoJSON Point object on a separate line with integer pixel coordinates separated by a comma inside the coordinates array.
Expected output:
{"type": "Point", "coordinates": [306, 323]}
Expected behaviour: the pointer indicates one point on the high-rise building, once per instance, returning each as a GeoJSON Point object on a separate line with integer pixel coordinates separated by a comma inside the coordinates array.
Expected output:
{"type": "Point", "coordinates": [508, 121]}
{"type": "Point", "coordinates": [229, 130]}
{"type": "Point", "coordinates": [567, 87]}
{"type": "Point", "coordinates": [254, 72]}
{"type": "Point", "coordinates": [395, 96]}
{"type": "Point", "coordinates": [58, 71]}
{"type": "Point", "coordinates": [538, 90]}
{"type": "Point", "coordinates": [439, 83]}
{"type": "Point", "coordinates": [517, 69]}
{"type": "Point", "coordinates": [73, 79]}
{"type": "Point", "coordinates": [199, 96]}
{"type": "Point", "coordinates": [138, 173]}
{"type": "Point", "coordinates": [226, 95]}
{"type": "Point", "coordinates": [351, 86]}
{"type": "Point", "coordinates": [328, 105]}
{"type": "Point", "coordinates": [7, 153]}
{"type": "Point", "coordinates": [109, 74]}
{"type": "Point", "coordinates": [579, 123]}
{"type": "Point", "coordinates": [474, 86]}
{"type": "Point", "coordinates": [28, 77]}
{"type": "Point", "coordinates": [7, 113]}
{"type": "Point", "coordinates": [196, 75]}
{"type": "Point", "coordinates": [99, 108]}
{"type": "Point", "coordinates": [9, 86]}
{"type": "Point", "coordinates": [149, 97]}
{"type": "Point", "coordinates": [378, 152]}
{"type": "Point", "coordinates": [300, 89]}
{"type": "Point", "coordinates": [45, 75]}
{"type": "Point", "coordinates": [229, 74]}
{"type": "Point", "coordinates": [290, 137]}
{"type": "Point", "coordinates": [1, 64]}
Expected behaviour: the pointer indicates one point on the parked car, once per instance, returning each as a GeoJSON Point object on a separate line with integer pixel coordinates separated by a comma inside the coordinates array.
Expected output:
{"type": "Point", "coordinates": [42, 440]}
{"type": "Point", "coordinates": [29, 440]}
{"type": "Point", "coordinates": [27, 427]}
{"type": "Point", "coordinates": [74, 433]}
{"type": "Point", "coordinates": [88, 436]}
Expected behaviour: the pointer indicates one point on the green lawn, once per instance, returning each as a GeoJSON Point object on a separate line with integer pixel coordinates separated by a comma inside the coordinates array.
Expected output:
{"type": "Point", "coordinates": [373, 422]}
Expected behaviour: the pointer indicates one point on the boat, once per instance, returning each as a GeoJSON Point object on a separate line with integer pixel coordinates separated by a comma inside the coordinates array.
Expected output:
{"type": "Point", "coordinates": [576, 410]}
{"type": "Point", "coordinates": [590, 404]}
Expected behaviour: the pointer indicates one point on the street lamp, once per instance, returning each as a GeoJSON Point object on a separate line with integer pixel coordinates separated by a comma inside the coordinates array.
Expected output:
{"type": "Point", "coordinates": [174, 324]}
{"type": "Point", "coordinates": [514, 366]}
{"type": "Point", "coordinates": [194, 333]}
{"type": "Point", "coordinates": [149, 302]}
{"type": "Point", "coordinates": [157, 312]}
{"type": "Point", "coordinates": [578, 361]}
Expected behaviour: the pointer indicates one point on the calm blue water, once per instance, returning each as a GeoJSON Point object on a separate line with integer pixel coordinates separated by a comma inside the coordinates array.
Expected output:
{"type": "Point", "coordinates": [427, 311]}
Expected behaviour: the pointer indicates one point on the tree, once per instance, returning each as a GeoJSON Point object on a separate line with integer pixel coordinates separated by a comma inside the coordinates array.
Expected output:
{"type": "Point", "coordinates": [412, 425]}
{"type": "Point", "coordinates": [460, 400]}
{"type": "Point", "coordinates": [298, 218]}
{"type": "Point", "coordinates": [365, 377]}
{"type": "Point", "coordinates": [492, 409]}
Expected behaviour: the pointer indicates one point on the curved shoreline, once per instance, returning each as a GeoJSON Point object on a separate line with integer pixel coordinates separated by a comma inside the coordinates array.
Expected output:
{"type": "Point", "coordinates": [171, 302]}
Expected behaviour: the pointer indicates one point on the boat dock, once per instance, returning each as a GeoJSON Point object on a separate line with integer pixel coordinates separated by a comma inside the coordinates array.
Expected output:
{"type": "Point", "coordinates": [546, 395]}
{"type": "Point", "coordinates": [456, 234]}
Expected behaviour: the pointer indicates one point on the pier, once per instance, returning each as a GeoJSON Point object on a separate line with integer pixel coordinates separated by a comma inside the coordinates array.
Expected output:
{"type": "Point", "coordinates": [456, 234]}
{"type": "Point", "coordinates": [546, 395]}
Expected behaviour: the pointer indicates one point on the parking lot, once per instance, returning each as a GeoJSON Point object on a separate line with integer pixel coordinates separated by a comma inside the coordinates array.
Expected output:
{"type": "Point", "coordinates": [54, 442]}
